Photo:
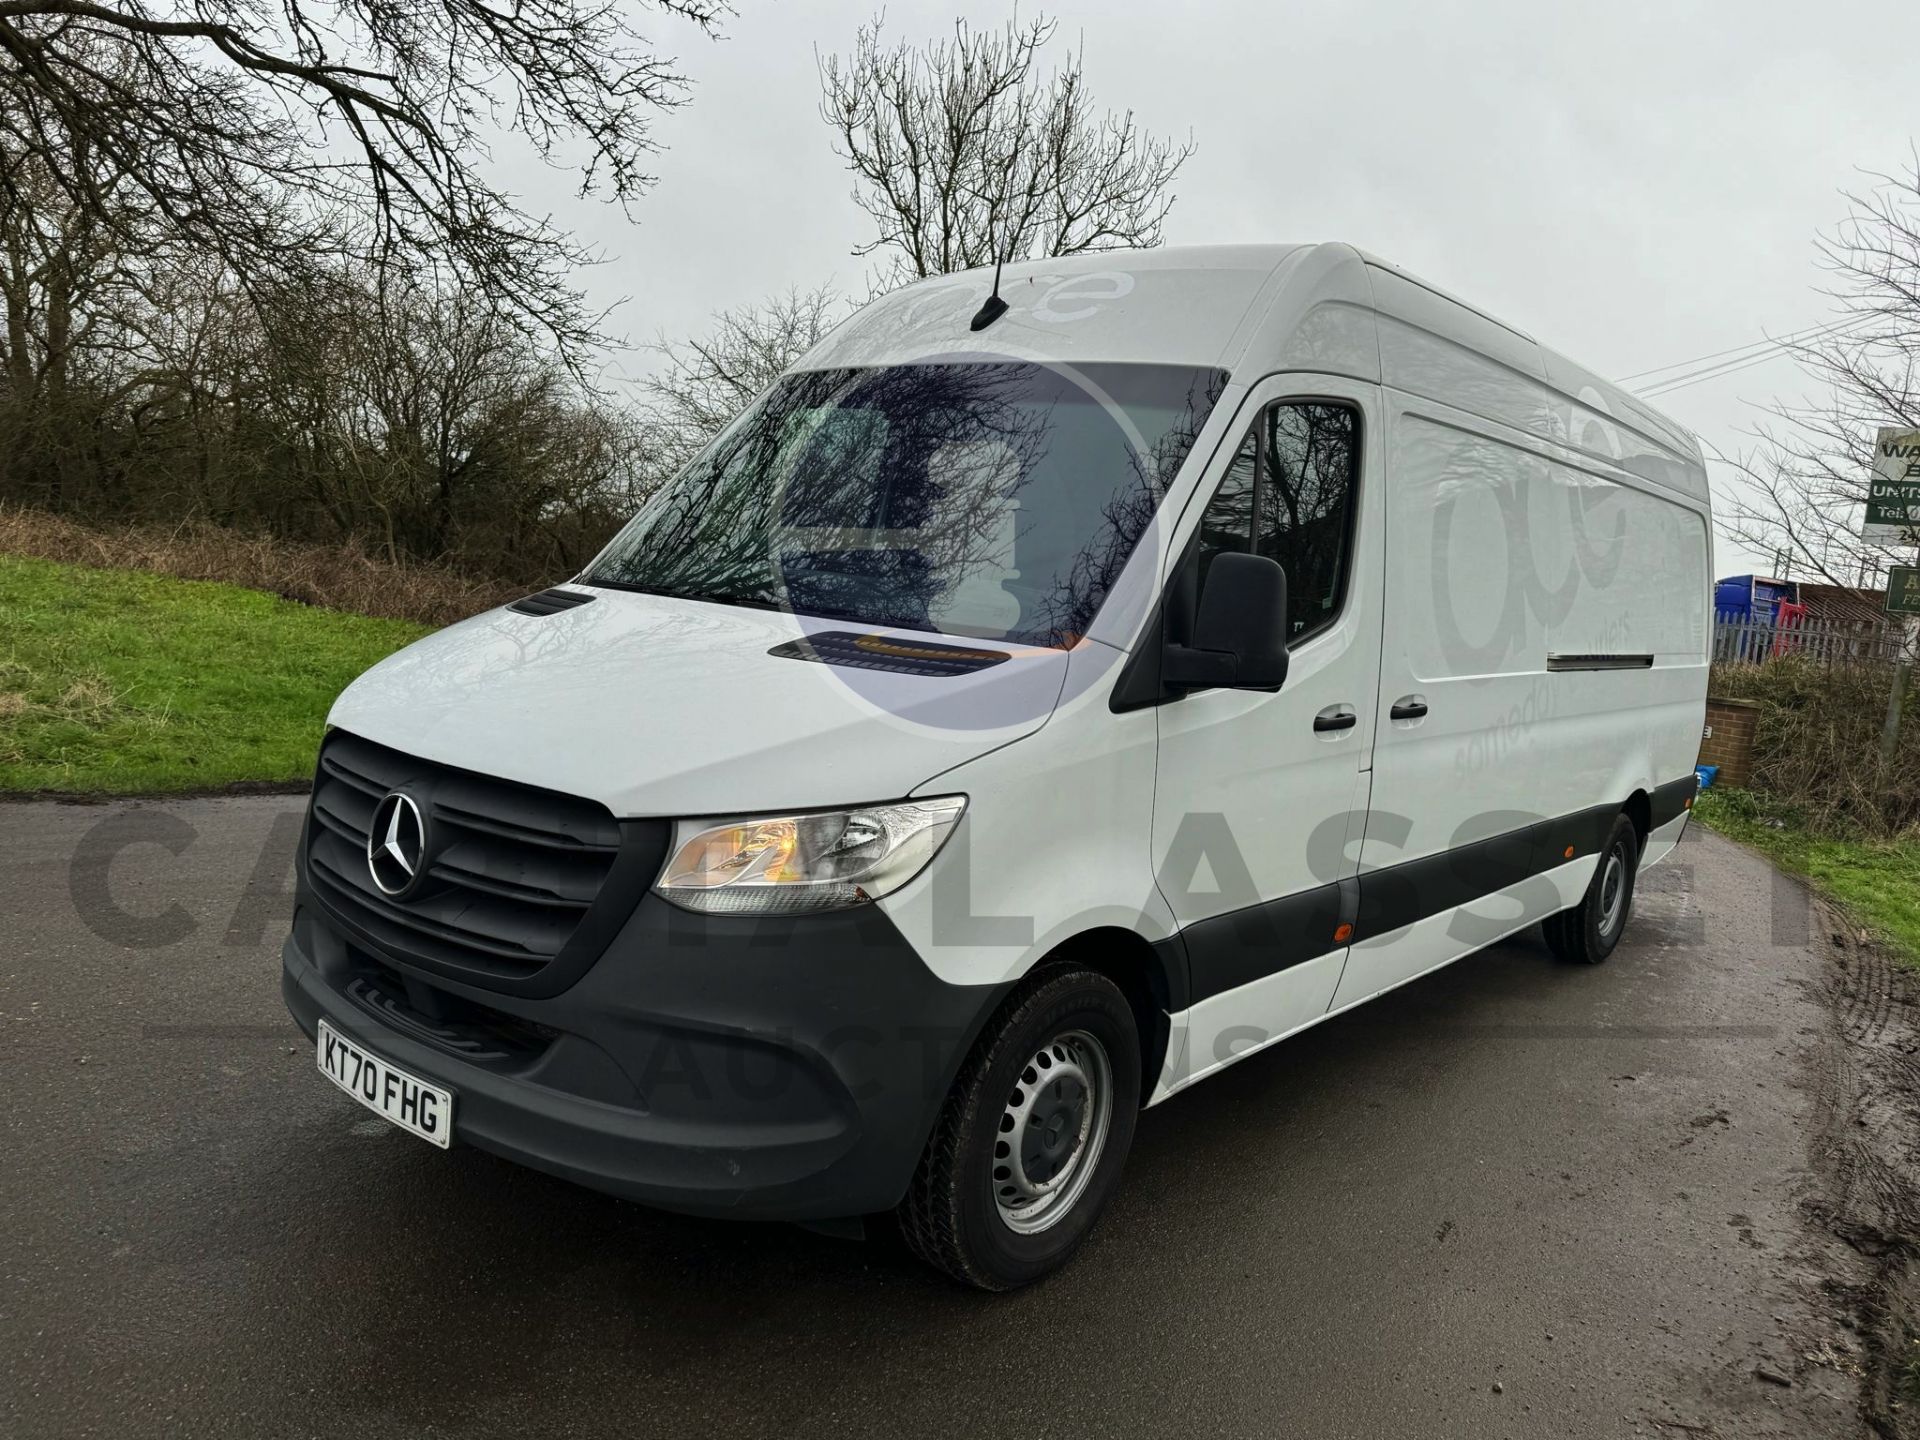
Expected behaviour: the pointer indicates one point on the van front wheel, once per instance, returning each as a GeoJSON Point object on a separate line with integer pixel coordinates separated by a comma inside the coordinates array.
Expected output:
{"type": "Point", "coordinates": [1588, 932]}
{"type": "Point", "coordinates": [1031, 1141]}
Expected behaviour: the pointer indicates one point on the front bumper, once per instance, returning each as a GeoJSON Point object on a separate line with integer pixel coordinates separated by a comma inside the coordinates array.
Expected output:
{"type": "Point", "coordinates": [787, 1068]}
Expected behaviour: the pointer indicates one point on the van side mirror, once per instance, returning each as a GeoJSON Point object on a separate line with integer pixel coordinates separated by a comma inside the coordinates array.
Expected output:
{"type": "Point", "coordinates": [1240, 632]}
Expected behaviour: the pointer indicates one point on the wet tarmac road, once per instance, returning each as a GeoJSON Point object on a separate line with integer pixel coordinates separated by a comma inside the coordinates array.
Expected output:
{"type": "Point", "coordinates": [1513, 1198]}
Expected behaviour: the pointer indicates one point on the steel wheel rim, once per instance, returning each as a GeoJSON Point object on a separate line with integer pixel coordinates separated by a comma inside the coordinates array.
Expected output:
{"type": "Point", "coordinates": [1613, 892]}
{"type": "Point", "coordinates": [1052, 1132]}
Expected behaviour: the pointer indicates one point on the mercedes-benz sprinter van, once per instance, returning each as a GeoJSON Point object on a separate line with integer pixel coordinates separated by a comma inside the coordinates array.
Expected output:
{"type": "Point", "coordinates": [1024, 709]}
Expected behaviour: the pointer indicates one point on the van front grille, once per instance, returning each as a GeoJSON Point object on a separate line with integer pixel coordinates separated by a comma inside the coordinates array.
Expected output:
{"type": "Point", "coordinates": [508, 874]}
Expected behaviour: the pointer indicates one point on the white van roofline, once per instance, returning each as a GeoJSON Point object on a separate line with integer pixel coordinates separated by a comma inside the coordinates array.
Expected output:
{"type": "Point", "coordinates": [1255, 310]}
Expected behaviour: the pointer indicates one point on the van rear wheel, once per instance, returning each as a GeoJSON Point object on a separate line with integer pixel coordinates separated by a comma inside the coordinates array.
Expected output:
{"type": "Point", "coordinates": [1031, 1141]}
{"type": "Point", "coordinates": [1588, 933]}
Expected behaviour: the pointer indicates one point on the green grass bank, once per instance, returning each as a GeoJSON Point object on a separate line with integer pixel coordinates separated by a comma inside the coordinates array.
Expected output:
{"type": "Point", "coordinates": [124, 682]}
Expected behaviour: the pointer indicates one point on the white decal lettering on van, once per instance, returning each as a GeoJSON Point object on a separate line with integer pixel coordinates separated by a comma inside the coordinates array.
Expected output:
{"type": "Point", "coordinates": [939, 299]}
{"type": "Point", "coordinates": [1092, 289]}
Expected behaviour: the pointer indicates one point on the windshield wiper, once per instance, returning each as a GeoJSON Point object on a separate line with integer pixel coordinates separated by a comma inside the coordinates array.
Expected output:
{"type": "Point", "coordinates": [711, 598]}
{"type": "Point", "coordinates": [629, 586]}
{"type": "Point", "coordinates": [744, 601]}
{"type": "Point", "coordinates": [754, 602]}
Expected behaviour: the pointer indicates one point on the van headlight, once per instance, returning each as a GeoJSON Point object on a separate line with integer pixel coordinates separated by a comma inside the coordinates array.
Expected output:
{"type": "Point", "coordinates": [791, 864]}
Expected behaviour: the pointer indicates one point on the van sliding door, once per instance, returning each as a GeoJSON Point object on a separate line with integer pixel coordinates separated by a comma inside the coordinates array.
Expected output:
{"type": "Point", "coordinates": [1487, 756]}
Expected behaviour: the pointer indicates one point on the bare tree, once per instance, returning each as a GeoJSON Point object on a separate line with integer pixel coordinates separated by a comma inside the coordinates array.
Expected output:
{"type": "Point", "coordinates": [267, 135]}
{"type": "Point", "coordinates": [964, 152]}
{"type": "Point", "coordinates": [1806, 482]}
{"type": "Point", "coordinates": [414, 423]}
{"type": "Point", "coordinates": [63, 266]}
{"type": "Point", "coordinates": [703, 383]}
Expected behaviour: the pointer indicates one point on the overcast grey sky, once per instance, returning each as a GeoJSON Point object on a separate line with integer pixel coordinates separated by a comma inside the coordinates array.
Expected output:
{"type": "Point", "coordinates": [1632, 183]}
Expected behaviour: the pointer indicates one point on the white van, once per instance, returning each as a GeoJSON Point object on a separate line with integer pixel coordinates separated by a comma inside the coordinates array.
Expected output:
{"type": "Point", "coordinates": [1023, 710]}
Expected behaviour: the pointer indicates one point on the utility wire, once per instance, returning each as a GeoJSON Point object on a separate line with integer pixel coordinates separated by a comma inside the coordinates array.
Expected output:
{"type": "Point", "coordinates": [1744, 361]}
{"type": "Point", "coordinates": [1681, 382]}
{"type": "Point", "coordinates": [1790, 338]}
{"type": "Point", "coordinates": [1700, 377]}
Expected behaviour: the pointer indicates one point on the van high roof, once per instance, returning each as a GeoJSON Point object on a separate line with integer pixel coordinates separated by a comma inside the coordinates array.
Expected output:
{"type": "Point", "coordinates": [1256, 309]}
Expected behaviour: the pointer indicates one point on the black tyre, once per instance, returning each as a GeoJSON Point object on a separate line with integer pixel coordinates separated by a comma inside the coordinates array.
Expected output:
{"type": "Point", "coordinates": [1587, 933]}
{"type": "Point", "coordinates": [1030, 1144]}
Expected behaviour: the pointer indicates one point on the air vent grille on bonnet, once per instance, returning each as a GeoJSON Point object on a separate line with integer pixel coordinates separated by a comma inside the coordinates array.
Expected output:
{"type": "Point", "coordinates": [549, 602]}
{"type": "Point", "coordinates": [884, 652]}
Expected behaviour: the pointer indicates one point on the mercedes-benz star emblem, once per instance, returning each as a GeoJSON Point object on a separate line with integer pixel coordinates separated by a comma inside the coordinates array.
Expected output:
{"type": "Point", "coordinates": [396, 843]}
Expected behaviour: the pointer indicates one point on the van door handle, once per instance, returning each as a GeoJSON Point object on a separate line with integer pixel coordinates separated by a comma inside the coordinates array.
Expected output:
{"type": "Point", "coordinates": [1408, 707]}
{"type": "Point", "coordinates": [1335, 717]}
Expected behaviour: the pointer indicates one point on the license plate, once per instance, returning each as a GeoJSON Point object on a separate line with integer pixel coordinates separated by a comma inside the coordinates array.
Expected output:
{"type": "Point", "coordinates": [414, 1105]}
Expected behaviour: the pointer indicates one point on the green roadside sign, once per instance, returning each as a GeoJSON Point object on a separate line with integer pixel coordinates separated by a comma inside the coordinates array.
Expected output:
{"type": "Point", "coordinates": [1903, 590]}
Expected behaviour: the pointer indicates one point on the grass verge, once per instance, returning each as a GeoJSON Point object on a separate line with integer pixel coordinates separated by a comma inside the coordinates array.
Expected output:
{"type": "Point", "coordinates": [337, 577]}
{"type": "Point", "coordinates": [121, 682]}
{"type": "Point", "coordinates": [1878, 881]}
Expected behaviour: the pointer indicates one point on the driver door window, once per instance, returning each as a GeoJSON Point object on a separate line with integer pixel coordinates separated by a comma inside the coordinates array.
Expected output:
{"type": "Point", "coordinates": [1289, 495]}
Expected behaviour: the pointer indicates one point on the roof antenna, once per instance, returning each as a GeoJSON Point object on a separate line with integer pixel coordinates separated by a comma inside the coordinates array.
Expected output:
{"type": "Point", "coordinates": [994, 307]}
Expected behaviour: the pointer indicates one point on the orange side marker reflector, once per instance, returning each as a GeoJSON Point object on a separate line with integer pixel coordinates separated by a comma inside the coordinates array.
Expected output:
{"type": "Point", "coordinates": [1569, 852]}
{"type": "Point", "coordinates": [1343, 934]}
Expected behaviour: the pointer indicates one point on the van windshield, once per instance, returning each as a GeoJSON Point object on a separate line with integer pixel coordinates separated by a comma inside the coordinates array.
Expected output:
{"type": "Point", "coordinates": [996, 499]}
